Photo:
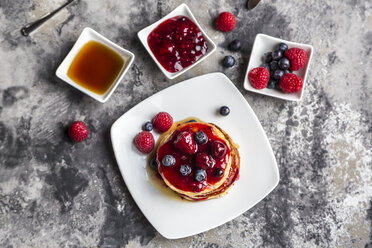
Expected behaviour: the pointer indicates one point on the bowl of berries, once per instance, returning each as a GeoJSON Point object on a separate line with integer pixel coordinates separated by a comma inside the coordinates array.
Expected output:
{"type": "Point", "coordinates": [278, 68]}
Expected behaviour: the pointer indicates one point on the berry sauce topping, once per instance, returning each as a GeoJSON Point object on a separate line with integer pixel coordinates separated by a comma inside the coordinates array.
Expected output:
{"type": "Point", "coordinates": [177, 43]}
{"type": "Point", "coordinates": [202, 164]}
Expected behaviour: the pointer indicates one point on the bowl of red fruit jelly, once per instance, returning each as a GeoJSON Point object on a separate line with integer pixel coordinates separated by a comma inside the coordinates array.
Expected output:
{"type": "Point", "coordinates": [176, 42]}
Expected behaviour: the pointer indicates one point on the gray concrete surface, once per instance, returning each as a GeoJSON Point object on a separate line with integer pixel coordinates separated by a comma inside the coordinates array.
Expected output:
{"type": "Point", "coordinates": [54, 193]}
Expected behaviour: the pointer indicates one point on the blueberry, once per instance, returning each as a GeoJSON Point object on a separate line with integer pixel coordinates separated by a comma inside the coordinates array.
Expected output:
{"type": "Point", "coordinates": [284, 63]}
{"type": "Point", "coordinates": [200, 175]}
{"type": "Point", "coordinates": [192, 120]}
{"type": "Point", "coordinates": [274, 65]}
{"type": "Point", "coordinates": [278, 74]}
{"type": "Point", "coordinates": [147, 126]}
{"type": "Point", "coordinates": [168, 160]}
{"type": "Point", "coordinates": [283, 47]}
{"type": "Point", "coordinates": [277, 87]}
{"type": "Point", "coordinates": [277, 54]}
{"type": "Point", "coordinates": [268, 57]}
{"type": "Point", "coordinates": [235, 45]}
{"type": "Point", "coordinates": [218, 172]}
{"type": "Point", "coordinates": [224, 110]}
{"type": "Point", "coordinates": [200, 137]}
{"type": "Point", "coordinates": [228, 61]}
{"type": "Point", "coordinates": [153, 164]}
{"type": "Point", "coordinates": [271, 84]}
{"type": "Point", "coordinates": [266, 65]}
{"type": "Point", "coordinates": [185, 170]}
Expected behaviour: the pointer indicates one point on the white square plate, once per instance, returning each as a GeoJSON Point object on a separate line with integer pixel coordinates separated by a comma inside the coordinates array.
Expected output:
{"type": "Point", "coordinates": [89, 34]}
{"type": "Point", "coordinates": [184, 10]}
{"type": "Point", "coordinates": [198, 97]}
{"type": "Point", "coordinates": [263, 44]}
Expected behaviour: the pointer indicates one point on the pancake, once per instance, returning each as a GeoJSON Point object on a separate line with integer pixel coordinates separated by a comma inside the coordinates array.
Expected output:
{"type": "Point", "coordinates": [218, 158]}
{"type": "Point", "coordinates": [232, 177]}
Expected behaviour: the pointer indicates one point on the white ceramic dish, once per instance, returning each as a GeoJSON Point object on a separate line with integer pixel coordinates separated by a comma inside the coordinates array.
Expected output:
{"type": "Point", "coordinates": [263, 44]}
{"type": "Point", "coordinates": [182, 9]}
{"type": "Point", "coordinates": [89, 34]}
{"type": "Point", "coordinates": [170, 215]}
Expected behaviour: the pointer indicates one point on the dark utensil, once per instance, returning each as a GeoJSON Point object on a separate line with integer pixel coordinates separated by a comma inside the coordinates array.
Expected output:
{"type": "Point", "coordinates": [26, 30]}
{"type": "Point", "coordinates": [252, 3]}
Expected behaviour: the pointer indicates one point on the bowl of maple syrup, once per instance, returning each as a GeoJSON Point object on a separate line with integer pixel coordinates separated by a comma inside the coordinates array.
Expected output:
{"type": "Point", "coordinates": [95, 65]}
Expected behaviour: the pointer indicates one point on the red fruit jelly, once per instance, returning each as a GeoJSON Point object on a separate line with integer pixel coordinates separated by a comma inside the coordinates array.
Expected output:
{"type": "Point", "coordinates": [177, 43]}
{"type": "Point", "coordinates": [188, 183]}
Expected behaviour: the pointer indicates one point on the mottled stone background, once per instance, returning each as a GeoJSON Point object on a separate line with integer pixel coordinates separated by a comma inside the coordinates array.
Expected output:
{"type": "Point", "coordinates": [54, 193]}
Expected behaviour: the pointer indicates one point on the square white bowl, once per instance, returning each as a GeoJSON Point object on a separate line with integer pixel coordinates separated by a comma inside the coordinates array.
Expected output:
{"type": "Point", "coordinates": [89, 34]}
{"type": "Point", "coordinates": [171, 216]}
{"type": "Point", "coordinates": [184, 10]}
{"type": "Point", "coordinates": [264, 43]}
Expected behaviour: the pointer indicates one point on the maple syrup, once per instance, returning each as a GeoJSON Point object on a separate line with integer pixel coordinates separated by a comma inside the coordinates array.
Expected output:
{"type": "Point", "coordinates": [95, 67]}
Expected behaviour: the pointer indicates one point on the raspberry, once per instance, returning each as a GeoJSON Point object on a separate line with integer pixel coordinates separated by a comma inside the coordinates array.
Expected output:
{"type": "Point", "coordinates": [78, 131]}
{"type": "Point", "coordinates": [258, 77]}
{"type": "Point", "coordinates": [144, 142]}
{"type": "Point", "coordinates": [290, 83]}
{"type": "Point", "coordinates": [297, 56]}
{"type": "Point", "coordinates": [185, 143]}
{"type": "Point", "coordinates": [162, 121]}
{"type": "Point", "coordinates": [225, 22]}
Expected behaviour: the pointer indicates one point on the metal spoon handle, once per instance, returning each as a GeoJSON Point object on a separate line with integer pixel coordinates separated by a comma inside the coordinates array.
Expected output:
{"type": "Point", "coordinates": [252, 3]}
{"type": "Point", "coordinates": [28, 28]}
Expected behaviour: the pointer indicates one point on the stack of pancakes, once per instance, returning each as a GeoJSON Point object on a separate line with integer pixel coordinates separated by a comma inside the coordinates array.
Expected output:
{"type": "Point", "coordinates": [187, 186]}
